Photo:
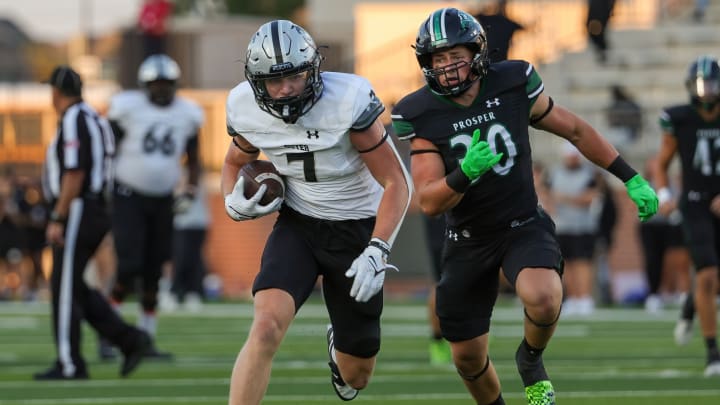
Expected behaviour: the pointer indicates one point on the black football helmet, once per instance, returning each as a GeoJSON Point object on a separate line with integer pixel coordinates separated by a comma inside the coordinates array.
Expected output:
{"type": "Point", "coordinates": [703, 82]}
{"type": "Point", "coordinates": [444, 29]}
{"type": "Point", "coordinates": [158, 76]}
{"type": "Point", "coordinates": [279, 49]}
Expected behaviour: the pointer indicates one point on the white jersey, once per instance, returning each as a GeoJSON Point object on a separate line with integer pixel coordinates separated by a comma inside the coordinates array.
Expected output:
{"type": "Point", "coordinates": [324, 174]}
{"type": "Point", "coordinates": [148, 158]}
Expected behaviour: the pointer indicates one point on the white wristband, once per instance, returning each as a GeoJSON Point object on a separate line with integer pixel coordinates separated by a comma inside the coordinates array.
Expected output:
{"type": "Point", "coordinates": [664, 195]}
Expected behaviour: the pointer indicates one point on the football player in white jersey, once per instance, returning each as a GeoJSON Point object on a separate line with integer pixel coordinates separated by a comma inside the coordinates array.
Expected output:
{"type": "Point", "coordinates": [154, 130]}
{"type": "Point", "coordinates": [347, 193]}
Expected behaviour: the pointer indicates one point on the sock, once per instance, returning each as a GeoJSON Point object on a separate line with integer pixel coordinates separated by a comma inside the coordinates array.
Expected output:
{"type": "Point", "coordinates": [148, 322]}
{"type": "Point", "coordinates": [498, 401]}
{"type": "Point", "coordinates": [531, 350]}
{"type": "Point", "coordinates": [529, 363]}
{"type": "Point", "coordinates": [712, 349]}
{"type": "Point", "coordinates": [688, 309]}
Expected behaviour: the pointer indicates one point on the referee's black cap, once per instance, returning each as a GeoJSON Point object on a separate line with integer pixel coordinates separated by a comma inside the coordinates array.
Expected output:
{"type": "Point", "coordinates": [65, 79]}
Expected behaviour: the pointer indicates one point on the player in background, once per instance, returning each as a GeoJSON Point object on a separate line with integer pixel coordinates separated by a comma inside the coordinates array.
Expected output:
{"type": "Point", "coordinates": [155, 131]}
{"type": "Point", "coordinates": [346, 196]}
{"type": "Point", "coordinates": [692, 131]}
{"type": "Point", "coordinates": [470, 147]}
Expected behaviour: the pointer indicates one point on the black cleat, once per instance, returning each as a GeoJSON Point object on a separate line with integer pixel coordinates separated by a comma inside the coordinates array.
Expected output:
{"type": "Point", "coordinates": [54, 373]}
{"type": "Point", "coordinates": [152, 353]}
{"type": "Point", "coordinates": [106, 351]}
{"type": "Point", "coordinates": [134, 355]}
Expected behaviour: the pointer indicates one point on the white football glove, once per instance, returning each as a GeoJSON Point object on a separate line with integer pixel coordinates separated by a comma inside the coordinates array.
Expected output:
{"type": "Point", "coordinates": [369, 270]}
{"type": "Point", "coordinates": [184, 201]}
{"type": "Point", "coordinates": [240, 208]}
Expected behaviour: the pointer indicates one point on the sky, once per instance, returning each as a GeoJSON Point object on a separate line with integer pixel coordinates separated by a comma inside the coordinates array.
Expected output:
{"type": "Point", "coordinates": [58, 20]}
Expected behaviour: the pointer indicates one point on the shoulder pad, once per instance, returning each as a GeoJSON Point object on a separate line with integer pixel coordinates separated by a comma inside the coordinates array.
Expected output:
{"type": "Point", "coordinates": [509, 74]}
{"type": "Point", "coordinates": [414, 104]}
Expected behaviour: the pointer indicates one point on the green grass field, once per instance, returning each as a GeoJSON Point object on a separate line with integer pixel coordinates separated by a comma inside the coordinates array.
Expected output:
{"type": "Point", "coordinates": [619, 356]}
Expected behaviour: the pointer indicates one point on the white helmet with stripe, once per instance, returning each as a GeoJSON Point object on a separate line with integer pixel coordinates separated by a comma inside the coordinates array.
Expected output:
{"type": "Point", "coordinates": [280, 49]}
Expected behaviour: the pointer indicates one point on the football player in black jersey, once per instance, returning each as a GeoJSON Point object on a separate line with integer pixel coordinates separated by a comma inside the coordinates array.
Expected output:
{"type": "Point", "coordinates": [471, 159]}
{"type": "Point", "coordinates": [693, 132]}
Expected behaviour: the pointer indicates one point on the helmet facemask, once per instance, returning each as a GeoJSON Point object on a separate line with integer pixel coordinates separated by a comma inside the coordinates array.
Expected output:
{"type": "Point", "coordinates": [450, 74]}
{"type": "Point", "coordinates": [281, 49]}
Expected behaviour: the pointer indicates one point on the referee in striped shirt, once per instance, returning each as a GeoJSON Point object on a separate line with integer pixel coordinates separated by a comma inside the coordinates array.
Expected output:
{"type": "Point", "coordinates": [75, 174]}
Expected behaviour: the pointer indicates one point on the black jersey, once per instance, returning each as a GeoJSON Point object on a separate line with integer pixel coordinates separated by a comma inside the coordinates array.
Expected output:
{"type": "Point", "coordinates": [501, 112]}
{"type": "Point", "coordinates": [698, 143]}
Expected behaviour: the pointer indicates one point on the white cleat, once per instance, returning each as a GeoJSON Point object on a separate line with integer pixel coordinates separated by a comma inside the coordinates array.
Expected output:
{"type": "Point", "coordinates": [683, 332]}
{"type": "Point", "coordinates": [653, 304]}
{"type": "Point", "coordinates": [712, 369]}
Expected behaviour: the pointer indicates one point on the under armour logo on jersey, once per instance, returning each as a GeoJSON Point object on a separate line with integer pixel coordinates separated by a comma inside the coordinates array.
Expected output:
{"type": "Point", "coordinates": [313, 134]}
{"type": "Point", "coordinates": [452, 235]}
{"type": "Point", "coordinates": [491, 103]}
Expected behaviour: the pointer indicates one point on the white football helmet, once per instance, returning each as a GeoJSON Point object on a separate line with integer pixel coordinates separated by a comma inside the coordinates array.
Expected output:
{"type": "Point", "coordinates": [278, 49]}
{"type": "Point", "coordinates": [165, 71]}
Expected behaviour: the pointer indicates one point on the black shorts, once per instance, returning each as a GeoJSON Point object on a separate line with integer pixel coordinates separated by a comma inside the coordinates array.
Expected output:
{"type": "Point", "coordinates": [468, 288]}
{"type": "Point", "coordinates": [301, 248]}
{"type": "Point", "coordinates": [702, 233]}
{"type": "Point", "coordinates": [581, 246]}
{"type": "Point", "coordinates": [142, 229]}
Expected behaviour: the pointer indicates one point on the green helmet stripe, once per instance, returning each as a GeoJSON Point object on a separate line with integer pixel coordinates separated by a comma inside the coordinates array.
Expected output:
{"type": "Point", "coordinates": [704, 66]}
{"type": "Point", "coordinates": [438, 27]}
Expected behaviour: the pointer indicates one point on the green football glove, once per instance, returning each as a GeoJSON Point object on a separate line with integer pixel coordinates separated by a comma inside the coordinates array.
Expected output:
{"type": "Point", "coordinates": [479, 158]}
{"type": "Point", "coordinates": [643, 196]}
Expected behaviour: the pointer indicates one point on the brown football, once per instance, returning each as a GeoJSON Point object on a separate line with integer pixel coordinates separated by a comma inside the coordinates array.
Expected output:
{"type": "Point", "coordinates": [260, 172]}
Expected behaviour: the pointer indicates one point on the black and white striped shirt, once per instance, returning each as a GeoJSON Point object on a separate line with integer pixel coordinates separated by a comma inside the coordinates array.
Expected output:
{"type": "Point", "coordinates": [83, 141]}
